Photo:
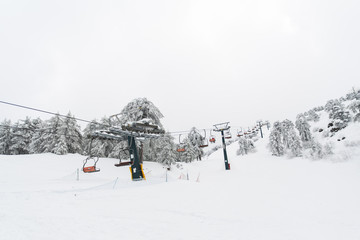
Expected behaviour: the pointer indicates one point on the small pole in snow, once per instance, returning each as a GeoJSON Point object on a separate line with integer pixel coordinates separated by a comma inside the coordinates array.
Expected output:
{"type": "Point", "coordinates": [166, 175]}
{"type": "Point", "coordinates": [77, 175]}
{"type": "Point", "coordinates": [115, 182]}
{"type": "Point", "coordinates": [187, 176]}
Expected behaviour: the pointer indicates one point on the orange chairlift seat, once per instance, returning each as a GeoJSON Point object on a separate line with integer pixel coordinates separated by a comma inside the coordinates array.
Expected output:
{"type": "Point", "coordinates": [90, 169]}
{"type": "Point", "coordinates": [180, 149]}
{"type": "Point", "coordinates": [181, 146]}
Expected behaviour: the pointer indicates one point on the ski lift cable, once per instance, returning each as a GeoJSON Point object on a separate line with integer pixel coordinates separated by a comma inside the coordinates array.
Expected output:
{"type": "Point", "coordinates": [51, 113]}
{"type": "Point", "coordinates": [83, 120]}
{"type": "Point", "coordinates": [78, 119]}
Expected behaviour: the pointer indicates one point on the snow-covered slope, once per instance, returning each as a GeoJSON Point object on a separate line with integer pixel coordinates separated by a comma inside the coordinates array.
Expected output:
{"type": "Point", "coordinates": [261, 197]}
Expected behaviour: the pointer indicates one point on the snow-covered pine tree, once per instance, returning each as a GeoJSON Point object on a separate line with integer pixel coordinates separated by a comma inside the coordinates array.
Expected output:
{"type": "Point", "coordinates": [72, 134]}
{"type": "Point", "coordinates": [60, 147]}
{"type": "Point", "coordinates": [137, 110]}
{"type": "Point", "coordinates": [6, 137]}
{"type": "Point", "coordinates": [99, 147]}
{"type": "Point", "coordinates": [120, 150]}
{"type": "Point", "coordinates": [316, 150]}
{"type": "Point", "coordinates": [276, 144]}
{"type": "Point", "coordinates": [90, 127]}
{"type": "Point", "coordinates": [338, 114]}
{"type": "Point", "coordinates": [67, 141]}
{"type": "Point", "coordinates": [140, 109]}
{"type": "Point", "coordinates": [37, 139]}
{"type": "Point", "coordinates": [165, 149]}
{"type": "Point", "coordinates": [149, 150]}
{"type": "Point", "coordinates": [303, 127]}
{"type": "Point", "coordinates": [290, 138]}
{"type": "Point", "coordinates": [354, 94]}
{"type": "Point", "coordinates": [354, 106]}
{"type": "Point", "coordinates": [195, 138]}
{"type": "Point", "coordinates": [23, 132]}
{"type": "Point", "coordinates": [246, 145]}
{"type": "Point", "coordinates": [190, 154]}
{"type": "Point", "coordinates": [51, 136]}
{"type": "Point", "coordinates": [283, 139]}
{"type": "Point", "coordinates": [319, 108]}
{"type": "Point", "coordinates": [311, 115]}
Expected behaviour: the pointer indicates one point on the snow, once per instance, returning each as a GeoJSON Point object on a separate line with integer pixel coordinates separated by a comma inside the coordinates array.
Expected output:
{"type": "Point", "coordinates": [261, 197]}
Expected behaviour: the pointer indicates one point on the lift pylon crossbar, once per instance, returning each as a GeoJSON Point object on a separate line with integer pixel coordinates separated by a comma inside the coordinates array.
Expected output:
{"type": "Point", "coordinates": [221, 127]}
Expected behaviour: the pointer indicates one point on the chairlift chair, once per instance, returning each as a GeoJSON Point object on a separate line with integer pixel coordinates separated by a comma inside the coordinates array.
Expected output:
{"type": "Point", "coordinates": [205, 142]}
{"type": "Point", "coordinates": [90, 169]}
{"type": "Point", "coordinates": [124, 163]}
{"type": "Point", "coordinates": [181, 147]}
{"type": "Point", "coordinates": [212, 138]}
{"type": "Point", "coordinates": [239, 133]}
{"type": "Point", "coordinates": [228, 134]}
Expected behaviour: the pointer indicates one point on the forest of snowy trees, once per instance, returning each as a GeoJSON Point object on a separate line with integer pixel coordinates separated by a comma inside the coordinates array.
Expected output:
{"type": "Point", "coordinates": [56, 135]}
{"type": "Point", "coordinates": [62, 134]}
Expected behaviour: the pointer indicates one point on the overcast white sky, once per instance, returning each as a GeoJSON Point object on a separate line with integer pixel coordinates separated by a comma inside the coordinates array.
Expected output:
{"type": "Point", "coordinates": [199, 61]}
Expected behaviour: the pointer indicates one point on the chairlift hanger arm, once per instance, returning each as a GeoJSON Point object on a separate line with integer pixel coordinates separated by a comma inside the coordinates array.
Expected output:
{"type": "Point", "coordinates": [221, 129]}
{"type": "Point", "coordinates": [224, 124]}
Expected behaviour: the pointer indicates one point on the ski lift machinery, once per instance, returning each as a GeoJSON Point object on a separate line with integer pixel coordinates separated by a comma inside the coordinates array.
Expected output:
{"type": "Point", "coordinates": [143, 129]}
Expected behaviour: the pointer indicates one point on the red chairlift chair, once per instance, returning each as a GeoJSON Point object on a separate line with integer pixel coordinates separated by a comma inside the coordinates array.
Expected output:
{"type": "Point", "coordinates": [212, 138]}
{"type": "Point", "coordinates": [90, 169]}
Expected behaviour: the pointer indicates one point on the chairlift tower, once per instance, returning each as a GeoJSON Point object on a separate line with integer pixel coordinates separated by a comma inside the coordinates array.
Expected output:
{"type": "Point", "coordinates": [221, 127]}
{"type": "Point", "coordinates": [260, 123]}
{"type": "Point", "coordinates": [129, 132]}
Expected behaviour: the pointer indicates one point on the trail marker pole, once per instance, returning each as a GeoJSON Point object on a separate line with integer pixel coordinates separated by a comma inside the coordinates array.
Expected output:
{"type": "Point", "coordinates": [221, 127]}
{"type": "Point", "coordinates": [77, 175]}
{"type": "Point", "coordinates": [115, 182]}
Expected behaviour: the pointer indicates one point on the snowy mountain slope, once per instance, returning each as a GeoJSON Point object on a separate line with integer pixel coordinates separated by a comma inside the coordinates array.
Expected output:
{"type": "Point", "coordinates": [343, 143]}
{"type": "Point", "coordinates": [261, 197]}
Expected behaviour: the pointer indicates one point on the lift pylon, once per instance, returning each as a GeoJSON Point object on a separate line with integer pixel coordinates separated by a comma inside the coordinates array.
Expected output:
{"type": "Point", "coordinates": [221, 127]}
